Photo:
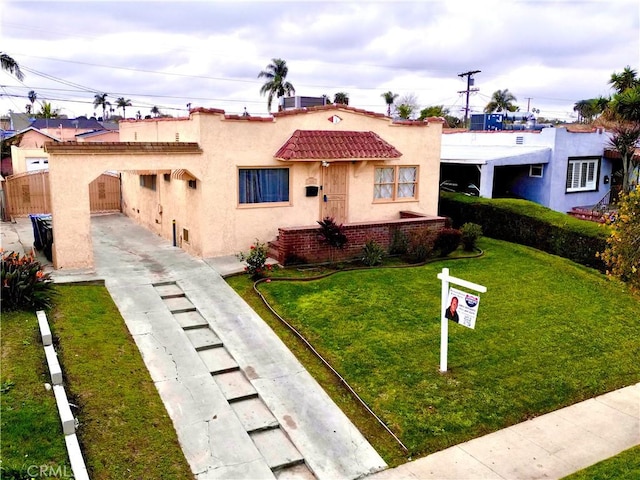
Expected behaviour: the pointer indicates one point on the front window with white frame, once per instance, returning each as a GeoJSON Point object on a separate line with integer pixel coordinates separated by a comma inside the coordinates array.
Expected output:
{"type": "Point", "coordinates": [395, 183]}
{"type": "Point", "coordinates": [536, 171]}
{"type": "Point", "coordinates": [582, 174]}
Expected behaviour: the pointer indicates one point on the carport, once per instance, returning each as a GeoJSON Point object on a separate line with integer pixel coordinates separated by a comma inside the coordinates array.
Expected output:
{"type": "Point", "coordinates": [483, 161]}
{"type": "Point", "coordinates": [73, 166]}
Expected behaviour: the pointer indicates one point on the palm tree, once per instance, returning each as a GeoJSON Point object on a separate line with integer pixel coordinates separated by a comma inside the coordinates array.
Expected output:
{"type": "Point", "coordinates": [155, 111]}
{"type": "Point", "coordinates": [626, 79]}
{"type": "Point", "coordinates": [123, 103]}
{"type": "Point", "coordinates": [32, 95]}
{"type": "Point", "coordinates": [501, 101]}
{"type": "Point", "coordinates": [47, 111]}
{"type": "Point", "coordinates": [276, 84]}
{"type": "Point", "coordinates": [342, 98]}
{"type": "Point", "coordinates": [100, 100]}
{"type": "Point", "coordinates": [389, 98]}
{"type": "Point", "coordinates": [11, 66]}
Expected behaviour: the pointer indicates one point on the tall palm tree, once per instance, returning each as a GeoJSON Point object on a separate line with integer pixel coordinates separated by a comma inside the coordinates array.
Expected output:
{"type": "Point", "coordinates": [628, 78]}
{"type": "Point", "coordinates": [100, 100]}
{"type": "Point", "coordinates": [11, 66]}
{"type": "Point", "coordinates": [32, 95]}
{"type": "Point", "coordinates": [501, 101]}
{"type": "Point", "coordinates": [389, 98]}
{"type": "Point", "coordinates": [276, 84]}
{"type": "Point", "coordinates": [155, 111]}
{"type": "Point", "coordinates": [123, 103]}
{"type": "Point", "coordinates": [342, 98]}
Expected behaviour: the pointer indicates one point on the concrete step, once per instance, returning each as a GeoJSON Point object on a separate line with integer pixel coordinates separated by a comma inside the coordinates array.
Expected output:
{"type": "Point", "coordinates": [179, 304]}
{"type": "Point", "coordinates": [235, 386]}
{"type": "Point", "coordinates": [295, 472]}
{"type": "Point", "coordinates": [203, 338]}
{"type": "Point", "coordinates": [218, 360]}
{"type": "Point", "coordinates": [276, 448]}
{"type": "Point", "coordinates": [190, 319]}
{"type": "Point", "coordinates": [168, 290]}
{"type": "Point", "coordinates": [254, 414]}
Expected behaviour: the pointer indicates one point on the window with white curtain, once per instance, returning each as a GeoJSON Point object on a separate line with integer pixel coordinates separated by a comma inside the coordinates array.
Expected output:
{"type": "Point", "coordinates": [263, 185]}
{"type": "Point", "coordinates": [395, 183]}
{"type": "Point", "coordinates": [582, 174]}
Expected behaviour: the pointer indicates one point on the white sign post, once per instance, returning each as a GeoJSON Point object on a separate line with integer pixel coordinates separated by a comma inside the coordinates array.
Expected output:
{"type": "Point", "coordinates": [445, 302]}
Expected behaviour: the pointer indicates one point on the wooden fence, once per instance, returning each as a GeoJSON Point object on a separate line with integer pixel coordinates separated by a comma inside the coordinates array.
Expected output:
{"type": "Point", "coordinates": [28, 193]}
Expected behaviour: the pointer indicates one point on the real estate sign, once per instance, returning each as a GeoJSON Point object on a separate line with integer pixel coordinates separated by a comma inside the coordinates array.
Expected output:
{"type": "Point", "coordinates": [462, 307]}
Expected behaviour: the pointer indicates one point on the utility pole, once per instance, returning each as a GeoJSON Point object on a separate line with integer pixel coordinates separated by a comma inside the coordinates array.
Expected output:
{"type": "Point", "coordinates": [467, 91]}
{"type": "Point", "coordinates": [529, 103]}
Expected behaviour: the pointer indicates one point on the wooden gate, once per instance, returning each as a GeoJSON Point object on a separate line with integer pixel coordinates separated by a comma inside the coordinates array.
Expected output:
{"type": "Point", "coordinates": [28, 193]}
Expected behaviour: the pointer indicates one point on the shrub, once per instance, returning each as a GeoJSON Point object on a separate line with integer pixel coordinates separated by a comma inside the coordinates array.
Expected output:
{"type": "Point", "coordinates": [399, 243]}
{"type": "Point", "coordinates": [527, 223]}
{"type": "Point", "coordinates": [332, 233]}
{"type": "Point", "coordinates": [25, 286]}
{"type": "Point", "coordinates": [471, 232]}
{"type": "Point", "coordinates": [421, 243]}
{"type": "Point", "coordinates": [622, 254]}
{"type": "Point", "coordinates": [372, 253]}
{"type": "Point", "coordinates": [447, 241]}
{"type": "Point", "coordinates": [256, 260]}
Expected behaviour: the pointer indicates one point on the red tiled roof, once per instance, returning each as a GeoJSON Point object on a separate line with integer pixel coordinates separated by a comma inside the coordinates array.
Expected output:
{"type": "Point", "coordinates": [336, 145]}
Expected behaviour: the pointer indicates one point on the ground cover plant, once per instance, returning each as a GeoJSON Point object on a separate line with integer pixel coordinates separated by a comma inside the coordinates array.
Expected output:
{"type": "Point", "coordinates": [124, 429]}
{"type": "Point", "coordinates": [31, 431]}
{"type": "Point", "coordinates": [550, 333]}
{"type": "Point", "coordinates": [624, 466]}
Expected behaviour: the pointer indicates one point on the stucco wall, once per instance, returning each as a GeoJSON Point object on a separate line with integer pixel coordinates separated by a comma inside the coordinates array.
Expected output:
{"type": "Point", "coordinates": [218, 225]}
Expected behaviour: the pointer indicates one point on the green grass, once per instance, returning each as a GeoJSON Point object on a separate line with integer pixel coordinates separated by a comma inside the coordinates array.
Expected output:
{"type": "Point", "coordinates": [625, 466]}
{"type": "Point", "coordinates": [30, 425]}
{"type": "Point", "coordinates": [125, 431]}
{"type": "Point", "coordinates": [549, 333]}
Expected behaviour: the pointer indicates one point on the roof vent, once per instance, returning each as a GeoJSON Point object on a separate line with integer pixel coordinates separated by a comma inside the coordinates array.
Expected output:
{"type": "Point", "coordinates": [519, 140]}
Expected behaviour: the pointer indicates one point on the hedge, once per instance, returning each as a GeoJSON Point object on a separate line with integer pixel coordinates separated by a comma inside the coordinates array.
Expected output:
{"type": "Point", "coordinates": [527, 223]}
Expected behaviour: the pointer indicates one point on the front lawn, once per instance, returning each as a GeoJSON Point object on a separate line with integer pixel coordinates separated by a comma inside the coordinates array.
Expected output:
{"type": "Point", "coordinates": [549, 333]}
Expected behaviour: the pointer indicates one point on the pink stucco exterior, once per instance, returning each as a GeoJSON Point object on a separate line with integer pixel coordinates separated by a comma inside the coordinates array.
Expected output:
{"type": "Point", "coordinates": [210, 214]}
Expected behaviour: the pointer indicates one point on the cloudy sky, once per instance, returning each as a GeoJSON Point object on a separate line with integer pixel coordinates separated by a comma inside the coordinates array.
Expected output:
{"type": "Point", "coordinates": [549, 54]}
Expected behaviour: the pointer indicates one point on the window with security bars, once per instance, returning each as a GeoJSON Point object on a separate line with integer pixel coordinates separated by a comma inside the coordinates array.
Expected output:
{"type": "Point", "coordinates": [582, 174]}
{"type": "Point", "coordinates": [395, 183]}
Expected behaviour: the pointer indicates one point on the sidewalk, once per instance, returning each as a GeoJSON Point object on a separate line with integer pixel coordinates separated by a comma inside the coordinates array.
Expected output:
{"type": "Point", "coordinates": [178, 308]}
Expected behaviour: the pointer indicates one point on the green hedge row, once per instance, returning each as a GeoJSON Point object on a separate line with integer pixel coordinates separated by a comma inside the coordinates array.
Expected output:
{"type": "Point", "coordinates": [527, 223]}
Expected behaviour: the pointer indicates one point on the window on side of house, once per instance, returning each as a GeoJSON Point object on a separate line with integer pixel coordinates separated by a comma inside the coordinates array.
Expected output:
{"type": "Point", "coordinates": [536, 171]}
{"type": "Point", "coordinates": [582, 174]}
{"type": "Point", "coordinates": [192, 184]}
{"type": "Point", "coordinates": [148, 181]}
{"type": "Point", "coordinates": [395, 183]}
{"type": "Point", "coordinates": [263, 185]}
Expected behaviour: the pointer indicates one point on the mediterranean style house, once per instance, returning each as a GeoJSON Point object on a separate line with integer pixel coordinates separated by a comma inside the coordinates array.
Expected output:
{"type": "Point", "coordinates": [214, 183]}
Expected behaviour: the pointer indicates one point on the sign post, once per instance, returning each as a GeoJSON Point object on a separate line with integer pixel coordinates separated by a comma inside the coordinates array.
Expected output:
{"type": "Point", "coordinates": [446, 302]}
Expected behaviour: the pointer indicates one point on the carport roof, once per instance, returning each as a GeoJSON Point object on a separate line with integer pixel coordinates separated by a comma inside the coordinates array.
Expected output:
{"type": "Point", "coordinates": [497, 155]}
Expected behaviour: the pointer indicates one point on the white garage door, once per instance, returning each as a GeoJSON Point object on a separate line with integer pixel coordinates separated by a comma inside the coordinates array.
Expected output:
{"type": "Point", "coordinates": [34, 164]}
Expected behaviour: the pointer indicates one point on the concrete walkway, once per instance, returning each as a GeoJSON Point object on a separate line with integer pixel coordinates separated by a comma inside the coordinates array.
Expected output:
{"type": "Point", "coordinates": [243, 406]}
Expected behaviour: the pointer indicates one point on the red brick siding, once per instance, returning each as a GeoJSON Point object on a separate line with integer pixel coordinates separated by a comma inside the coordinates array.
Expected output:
{"type": "Point", "coordinates": [302, 242]}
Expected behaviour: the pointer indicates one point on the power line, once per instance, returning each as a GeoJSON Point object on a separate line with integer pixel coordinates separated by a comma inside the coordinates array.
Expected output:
{"type": "Point", "coordinates": [468, 90]}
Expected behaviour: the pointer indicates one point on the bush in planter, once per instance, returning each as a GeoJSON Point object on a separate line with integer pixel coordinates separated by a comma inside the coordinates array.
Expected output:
{"type": "Point", "coordinates": [256, 260]}
{"type": "Point", "coordinates": [399, 243]}
{"type": "Point", "coordinates": [447, 241]}
{"type": "Point", "coordinates": [372, 253]}
{"type": "Point", "coordinates": [421, 244]}
{"type": "Point", "coordinates": [471, 232]}
{"type": "Point", "coordinates": [25, 286]}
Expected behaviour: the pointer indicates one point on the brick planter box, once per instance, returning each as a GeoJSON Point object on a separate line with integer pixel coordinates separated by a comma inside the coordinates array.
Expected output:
{"type": "Point", "coordinates": [301, 244]}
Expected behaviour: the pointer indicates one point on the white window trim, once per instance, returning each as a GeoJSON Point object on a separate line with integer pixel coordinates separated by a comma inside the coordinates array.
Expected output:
{"type": "Point", "coordinates": [531, 167]}
{"type": "Point", "coordinates": [576, 166]}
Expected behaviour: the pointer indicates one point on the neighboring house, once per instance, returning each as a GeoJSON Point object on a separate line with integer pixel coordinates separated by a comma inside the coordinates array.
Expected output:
{"type": "Point", "coordinates": [99, 136]}
{"type": "Point", "coordinates": [560, 168]}
{"type": "Point", "coordinates": [27, 150]}
{"type": "Point", "coordinates": [215, 183]}
{"type": "Point", "coordinates": [66, 129]}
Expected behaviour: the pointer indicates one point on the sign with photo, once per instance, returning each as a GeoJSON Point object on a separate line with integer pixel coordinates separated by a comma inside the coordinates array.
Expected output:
{"type": "Point", "coordinates": [462, 307]}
